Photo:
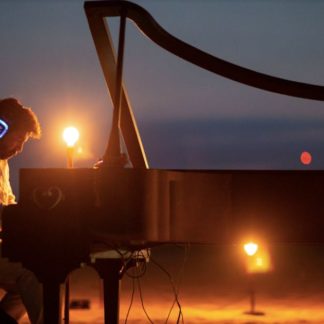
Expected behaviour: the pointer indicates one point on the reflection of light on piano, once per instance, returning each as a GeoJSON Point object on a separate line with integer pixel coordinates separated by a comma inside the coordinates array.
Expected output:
{"type": "Point", "coordinates": [48, 198]}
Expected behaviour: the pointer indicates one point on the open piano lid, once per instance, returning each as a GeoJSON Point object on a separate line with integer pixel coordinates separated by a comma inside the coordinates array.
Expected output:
{"type": "Point", "coordinates": [277, 203]}
{"type": "Point", "coordinates": [98, 14]}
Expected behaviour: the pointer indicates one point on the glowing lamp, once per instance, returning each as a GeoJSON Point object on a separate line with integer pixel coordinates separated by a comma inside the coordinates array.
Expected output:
{"type": "Point", "coordinates": [251, 248]}
{"type": "Point", "coordinates": [70, 136]}
{"type": "Point", "coordinates": [258, 258]}
{"type": "Point", "coordinates": [257, 262]}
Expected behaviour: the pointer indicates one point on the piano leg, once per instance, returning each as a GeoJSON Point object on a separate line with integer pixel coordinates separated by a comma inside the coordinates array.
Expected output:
{"type": "Point", "coordinates": [109, 270]}
{"type": "Point", "coordinates": [67, 301]}
{"type": "Point", "coordinates": [52, 302]}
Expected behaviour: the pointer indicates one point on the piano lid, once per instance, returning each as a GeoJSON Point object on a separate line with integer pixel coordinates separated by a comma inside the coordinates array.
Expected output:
{"type": "Point", "coordinates": [98, 11]}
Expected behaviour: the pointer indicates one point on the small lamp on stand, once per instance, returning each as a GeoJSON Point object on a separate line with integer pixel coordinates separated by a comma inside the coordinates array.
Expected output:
{"type": "Point", "coordinates": [70, 136]}
{"type": "Point", "coordinates": [251, 250]}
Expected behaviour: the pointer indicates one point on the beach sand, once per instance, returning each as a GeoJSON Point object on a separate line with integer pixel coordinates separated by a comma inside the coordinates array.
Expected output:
{"type": "Point", "coordinates": [213, 288]}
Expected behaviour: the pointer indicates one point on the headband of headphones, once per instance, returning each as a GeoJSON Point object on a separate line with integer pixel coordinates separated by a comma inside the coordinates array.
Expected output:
{"type": "Point", "coordinates": [3, 128]}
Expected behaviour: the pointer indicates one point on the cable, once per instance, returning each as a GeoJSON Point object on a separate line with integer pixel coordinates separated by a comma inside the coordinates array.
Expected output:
{"type": "Point", "coordinates": [174, 288]}
{"type": "Point", "coordinates": [140, 270]}
{"type": "Point", "coordinates": [142, 267]}
{"type": "Point", "coordinates": [140, 264]}
{"type": "Point", "coordinates": [142, 300]}
{"type": "Point", "coordinates": [131, 301]}
{"type": "Point", "coordinates": [126, 256]}
{"type": "Point", "coordinates": [179, 280]}
{"type": "Point", "coordinates": [176, 300]}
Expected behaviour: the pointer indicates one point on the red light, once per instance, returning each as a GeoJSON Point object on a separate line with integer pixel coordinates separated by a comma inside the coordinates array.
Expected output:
{"type": "Point", "coordinates": [305, 158]}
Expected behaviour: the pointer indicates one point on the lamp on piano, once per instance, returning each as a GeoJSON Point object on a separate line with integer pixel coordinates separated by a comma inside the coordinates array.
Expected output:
{"type": "Point", "coordinates": [70, 136]}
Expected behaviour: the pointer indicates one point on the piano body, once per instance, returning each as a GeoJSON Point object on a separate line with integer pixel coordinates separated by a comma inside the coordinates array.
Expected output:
{"type": "Point", "coordinates": [80, 210]}
{"type": "Point", "coordinates": [63, 215]}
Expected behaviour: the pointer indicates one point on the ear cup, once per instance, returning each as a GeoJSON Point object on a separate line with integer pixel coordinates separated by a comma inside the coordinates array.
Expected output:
{"type": "Point", "coordinates": [3, 128]}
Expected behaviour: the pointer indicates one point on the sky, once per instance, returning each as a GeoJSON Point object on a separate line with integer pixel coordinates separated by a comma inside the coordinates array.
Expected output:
{"type": "Point", "coordinates": [188, 118]}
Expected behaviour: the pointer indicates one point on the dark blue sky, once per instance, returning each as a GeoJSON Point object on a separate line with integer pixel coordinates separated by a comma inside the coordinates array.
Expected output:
{"type": "Point", "coordinates": [188, 118]}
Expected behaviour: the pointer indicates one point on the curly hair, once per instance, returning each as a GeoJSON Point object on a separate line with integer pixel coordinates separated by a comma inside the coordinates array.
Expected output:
{"type": "Point", "coordinates": [19, 118]}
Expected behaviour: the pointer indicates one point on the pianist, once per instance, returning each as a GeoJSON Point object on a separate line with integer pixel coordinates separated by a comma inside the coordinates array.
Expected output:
{"type": "Point", "coordinates": [22, 290]}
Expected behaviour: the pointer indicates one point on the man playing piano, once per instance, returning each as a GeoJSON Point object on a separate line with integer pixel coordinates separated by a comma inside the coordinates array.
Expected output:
{"type": "Point", "coordinates": [22, 290]}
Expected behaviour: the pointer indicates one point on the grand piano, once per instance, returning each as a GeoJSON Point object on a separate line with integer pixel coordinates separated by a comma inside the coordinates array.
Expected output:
{"type": "Point", "coordinates": [65, 215]}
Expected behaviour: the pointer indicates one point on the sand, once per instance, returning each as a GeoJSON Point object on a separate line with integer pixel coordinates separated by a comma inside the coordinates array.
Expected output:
{"type": "Point", "coordinates": [213, 288]}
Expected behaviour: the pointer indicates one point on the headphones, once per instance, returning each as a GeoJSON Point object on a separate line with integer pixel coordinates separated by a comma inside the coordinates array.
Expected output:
{"type": "Point", "coordinates": [3, 128]}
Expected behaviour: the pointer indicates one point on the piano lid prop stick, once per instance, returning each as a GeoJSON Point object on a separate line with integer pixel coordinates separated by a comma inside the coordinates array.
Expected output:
{"type": "Point", "coordinates": [113, 152]}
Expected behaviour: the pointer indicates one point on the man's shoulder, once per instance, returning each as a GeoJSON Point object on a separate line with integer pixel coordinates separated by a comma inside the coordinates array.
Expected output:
{"type": "Point", "coordinates": [3, 166]}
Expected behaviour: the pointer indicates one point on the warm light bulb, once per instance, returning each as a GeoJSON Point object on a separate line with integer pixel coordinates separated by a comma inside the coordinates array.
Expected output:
{"type": "Point", "coordinates": [70, 136]}
{"type": "Point", "coordinates": [250, 248]}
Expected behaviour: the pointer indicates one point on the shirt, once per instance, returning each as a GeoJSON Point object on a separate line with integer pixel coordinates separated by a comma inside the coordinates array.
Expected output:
{"type": "Point", "coordinates": [6, 195]}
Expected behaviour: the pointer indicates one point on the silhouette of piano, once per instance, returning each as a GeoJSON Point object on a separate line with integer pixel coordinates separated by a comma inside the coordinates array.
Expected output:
{"type": "Point", "coordinates": [63, 215]}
